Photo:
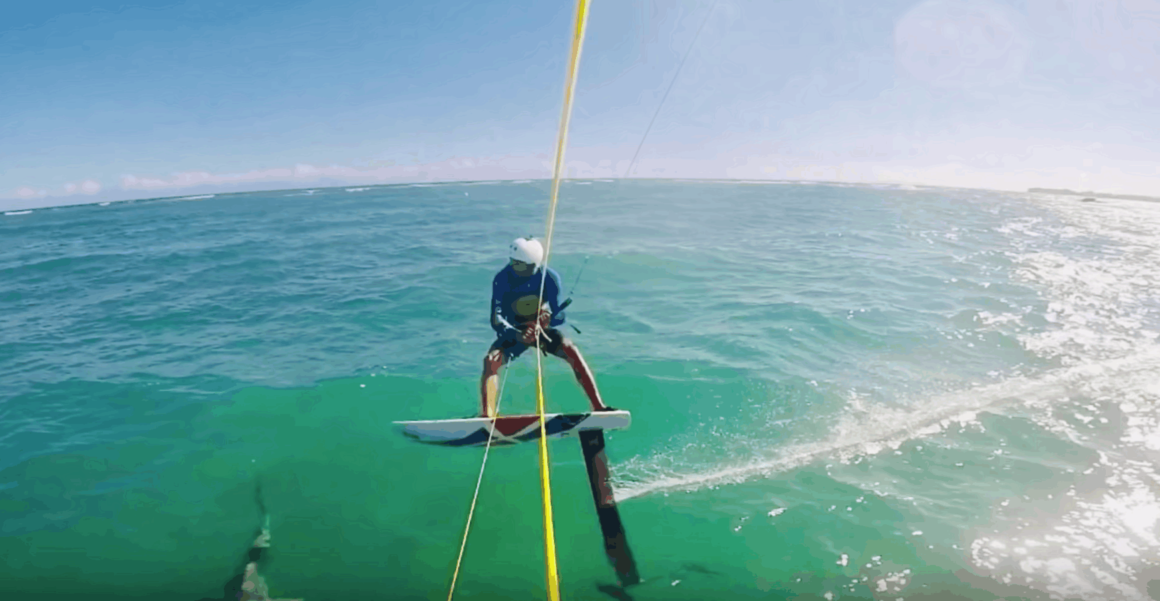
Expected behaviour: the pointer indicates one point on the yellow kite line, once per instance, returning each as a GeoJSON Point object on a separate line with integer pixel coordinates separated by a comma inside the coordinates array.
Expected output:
{"type": "Point", "coordinates": [561, 143]}
{"type": "Point", "coordinates": [553, 580]}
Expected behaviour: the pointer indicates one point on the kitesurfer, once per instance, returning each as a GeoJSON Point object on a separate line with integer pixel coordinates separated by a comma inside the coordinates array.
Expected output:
{"type": "Point", "coordinates": [518, 322]}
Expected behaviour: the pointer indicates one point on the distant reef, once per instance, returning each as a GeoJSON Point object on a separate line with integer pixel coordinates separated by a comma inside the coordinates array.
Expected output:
{"type": "Point", "coordinates": [1092, 195]}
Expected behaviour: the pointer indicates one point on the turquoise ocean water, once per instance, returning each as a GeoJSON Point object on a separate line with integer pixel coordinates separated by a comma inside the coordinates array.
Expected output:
{"type": "Point", "coordinates": [838, 393]}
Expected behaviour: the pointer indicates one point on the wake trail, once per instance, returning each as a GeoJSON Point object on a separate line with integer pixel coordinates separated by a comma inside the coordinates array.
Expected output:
{"type": "Point", "coordinates": [868, 432]}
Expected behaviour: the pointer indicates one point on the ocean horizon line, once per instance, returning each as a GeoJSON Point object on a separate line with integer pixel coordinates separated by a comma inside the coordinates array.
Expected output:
{"type": "Point", "coordinates": [205, 194]}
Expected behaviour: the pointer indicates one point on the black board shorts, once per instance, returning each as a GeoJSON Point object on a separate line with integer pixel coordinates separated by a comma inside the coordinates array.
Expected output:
{"type": "Point", "coordinates": [512, 345]}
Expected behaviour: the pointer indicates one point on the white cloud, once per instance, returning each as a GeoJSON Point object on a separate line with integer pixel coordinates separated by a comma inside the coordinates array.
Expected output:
{"type": "Point", "coordinates": [456, 168]}
{"type": "Point", "coordinates": [188, 179]}
{"type": "Point", "coordinates": [89, 186]}
{"type": "Point", "coordinates": [305, 171]}
{"type": "Point", "coordinates": [26, 192]}
{"type": "Point", "coordinates": [983, 159]}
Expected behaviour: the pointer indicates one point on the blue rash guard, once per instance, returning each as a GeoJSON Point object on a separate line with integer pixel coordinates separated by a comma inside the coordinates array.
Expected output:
{"type": "Point", "coordinates": [507, 288]}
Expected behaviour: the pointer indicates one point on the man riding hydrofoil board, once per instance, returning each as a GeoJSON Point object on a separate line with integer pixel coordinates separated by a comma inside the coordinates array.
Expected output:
{"type": "Point", "coordinates": [519, 319]}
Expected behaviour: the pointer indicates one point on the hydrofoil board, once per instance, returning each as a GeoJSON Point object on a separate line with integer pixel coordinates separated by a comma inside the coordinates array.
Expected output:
{"type": "Point", "coordinates": [511, 429]}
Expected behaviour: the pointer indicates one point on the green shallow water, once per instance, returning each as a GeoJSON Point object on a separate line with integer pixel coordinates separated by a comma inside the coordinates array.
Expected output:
{"type": "Point", "coordinates": [837, 392]}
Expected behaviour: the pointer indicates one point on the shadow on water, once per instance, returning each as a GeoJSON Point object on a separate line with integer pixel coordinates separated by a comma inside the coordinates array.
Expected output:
{"type": "Point", "coordinates": [614, 591]}
{"type": "Point", "coordinates": [697, 569]}
{"type": "Point", "coordinates": [247, 582]}
{"type": "Point", "coordinates": [620, 593]}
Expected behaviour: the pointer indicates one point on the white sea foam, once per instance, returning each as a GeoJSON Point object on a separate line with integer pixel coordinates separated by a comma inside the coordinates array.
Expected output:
{"type": "Point", "coordinates": [864, 431]}
{"type": "Point", "coordinates": [357, 189]}
{"type": "Point", "coordinates": [1102, 311]}
{"type": "Point", "coordinates": [1102, 305]}
{"type": "Point", "coordinates": [201, 197]}
{"type": "Point", "coordinates": [17, 212]}
{"type": "Point", "coordinates": [1101, 533]}
{"type": "Point", "coordinates": [1102, 299]}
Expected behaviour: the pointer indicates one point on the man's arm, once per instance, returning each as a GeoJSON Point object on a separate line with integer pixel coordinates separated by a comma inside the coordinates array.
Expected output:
{"type": "Point", "coordinates": [552, 292]}
{"type": "Point", "coordinates": [498, 323]}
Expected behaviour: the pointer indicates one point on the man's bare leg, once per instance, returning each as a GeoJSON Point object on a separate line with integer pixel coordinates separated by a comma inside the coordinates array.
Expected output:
{"type": "Point", "coordinates": [570, 353]}
{"type": "Point", "coordinates": [489, 382]}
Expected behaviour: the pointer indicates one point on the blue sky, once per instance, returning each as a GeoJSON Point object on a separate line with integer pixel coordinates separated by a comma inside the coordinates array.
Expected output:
{"type": "Point", "coordinates": [121, 100]}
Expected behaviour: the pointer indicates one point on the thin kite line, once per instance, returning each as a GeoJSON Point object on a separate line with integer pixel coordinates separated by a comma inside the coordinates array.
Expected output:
{"type": "Point", "coordinates": [628, 171]}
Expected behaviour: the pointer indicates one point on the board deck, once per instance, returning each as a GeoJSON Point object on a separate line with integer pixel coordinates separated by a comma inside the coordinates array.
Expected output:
{"type": "Point", "coordinates": [511, 429]}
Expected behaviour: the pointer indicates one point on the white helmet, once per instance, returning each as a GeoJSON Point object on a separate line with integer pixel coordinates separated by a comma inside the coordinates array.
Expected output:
{"type": "Point", "coordinates": [528, 250]}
